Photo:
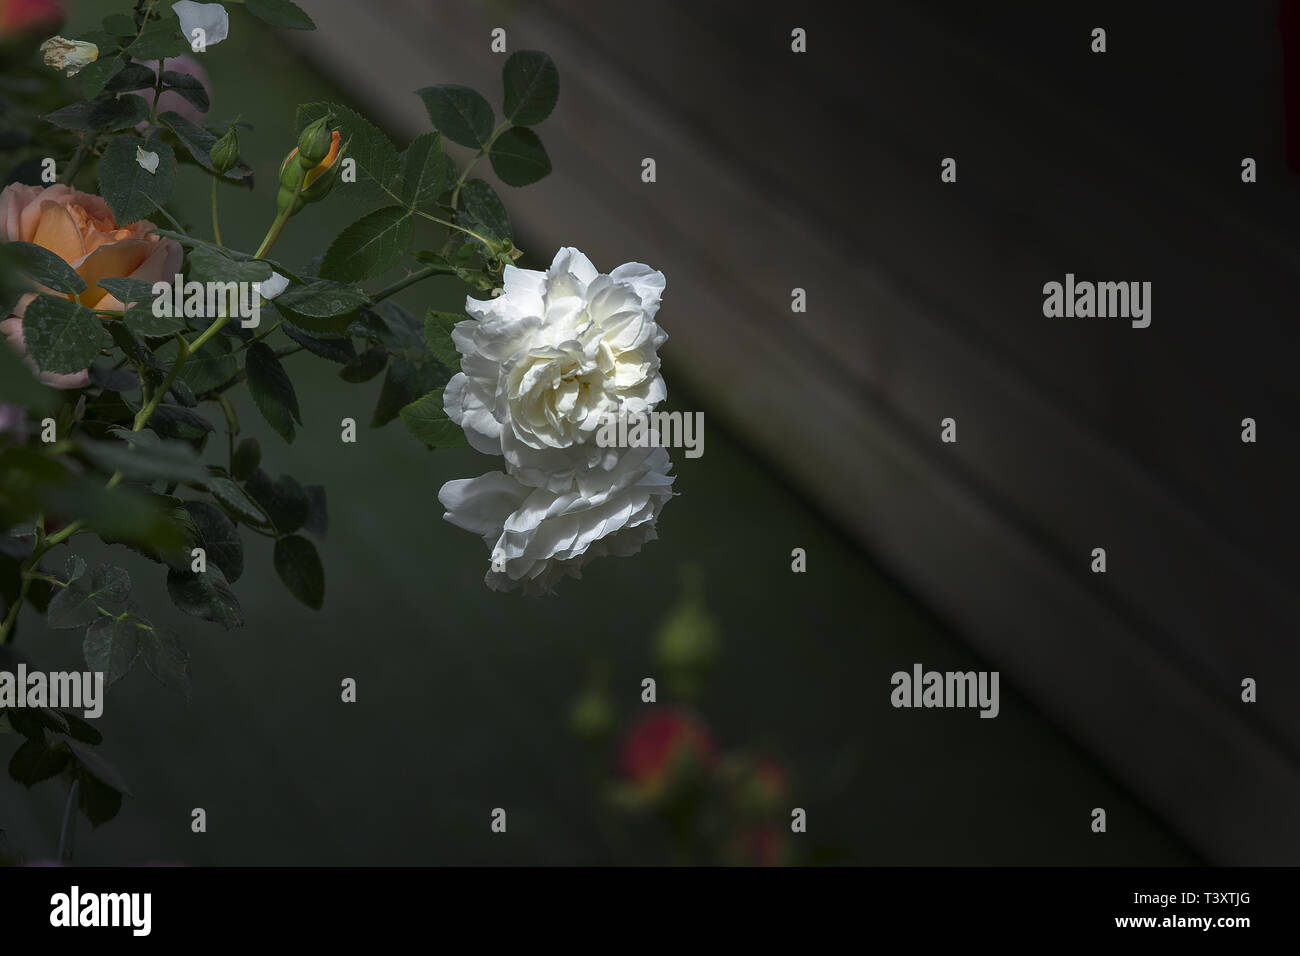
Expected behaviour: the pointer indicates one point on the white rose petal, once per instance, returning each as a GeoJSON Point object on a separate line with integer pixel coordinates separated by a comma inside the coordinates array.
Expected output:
{"type": "Point", "coordinates": [71, 56]}
{"type": "Point", "coordinates": [148, 161]}
{"type": "Point", "coordinates": [272, 286]}
{"type": "Point", "coordinates": [537, 537]}
{"type": "Point", "coordinates": [546, 361]}
{"type": "Point", "coordinates": [211, 18]}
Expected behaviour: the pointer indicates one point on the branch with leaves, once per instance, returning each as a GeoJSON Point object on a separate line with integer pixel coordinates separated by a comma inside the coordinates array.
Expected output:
{"type": "Point", "coordinates": [126, 431]}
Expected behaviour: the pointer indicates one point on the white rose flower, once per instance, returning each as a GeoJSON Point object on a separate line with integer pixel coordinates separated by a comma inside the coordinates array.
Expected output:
{"type": "Point", "coordinates": [547, 360]}
{"type": "Point", "coordinates": [71, 56]}
{"type": "Point", "coordinates": [211, 18]}
{"type": "Point", "coordinates": [538, 537]}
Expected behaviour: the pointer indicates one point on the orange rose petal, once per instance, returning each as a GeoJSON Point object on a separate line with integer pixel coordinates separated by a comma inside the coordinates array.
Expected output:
{"type": "Point", "coordinates": [57, 231]}
{"type": "Point", "coordinates": [116, 259]}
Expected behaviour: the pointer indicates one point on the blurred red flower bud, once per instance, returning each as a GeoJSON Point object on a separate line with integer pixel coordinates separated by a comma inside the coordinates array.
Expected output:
{"type": "Point", "coordinates": [662, 742]}
{"type": "Point", "coordinates": [34, 15]}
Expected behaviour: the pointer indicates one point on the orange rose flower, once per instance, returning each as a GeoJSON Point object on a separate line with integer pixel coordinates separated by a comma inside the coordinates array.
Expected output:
{"type": "Point", "coordinates": [80, 229]}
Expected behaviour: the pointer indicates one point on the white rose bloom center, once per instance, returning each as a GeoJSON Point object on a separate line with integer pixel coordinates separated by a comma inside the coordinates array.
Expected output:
{"type": "Point", "coordinates": [546, 361]}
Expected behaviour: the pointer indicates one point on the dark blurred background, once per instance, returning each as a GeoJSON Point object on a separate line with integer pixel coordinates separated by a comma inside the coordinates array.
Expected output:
{"type": "Point", "coordinates": [820, 171]}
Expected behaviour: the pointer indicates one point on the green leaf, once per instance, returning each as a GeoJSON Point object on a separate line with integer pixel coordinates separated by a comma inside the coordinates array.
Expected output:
{"type": "Point", "coordinates": [108, 112]}
{"type": "Point", "coordinates": [75, 116]}
{"type": "Point", "coordinates": [145, 457]}
{"type": "Point", "coordinates": [182, 394]}
{"type": "Point", "coordinates": [437, 335]}
{"type": "Point", "coordinates": [427, 421]}
{"type": "Point", "coordinates": [131, 190]}
{"type": "Point", "coordinates": [128, 290]}
{"type": "Point", "coordinates": [173, 421]}
{"type": "Point", "coordinates": [406, 381]}
{"type": "Point", "coordinates": [52, 719]}
{"type": "Point", "coordinates": [111, 646]}
{"type": "Point", "coordinates": [141, 320]}
{"type": "Point", "coordinates": [378, 167]}
{"type": "Point", "coordinates": [113, 379]}
{"type": "Point", "coordinates": [167, 660]}
{"type": "Point", "coordinates": [284, 500]}
{"type": "Point", "coordinates": [97, 766]}
{"type": "Point", "coordinates": [394, 327]}
{"type": "Point", "coordinates": [99, 802]}
{"type": "Point", "coordinates": [207, 596]}
{"type": "Point", "coordinates": [134, 76]}
{"type": "Point", "coordinates": [209, 265]}
{"type": "Point", "coordinates": [74, 568]}
{"type": "Point", "coordinates": [272, 390]}
{"type": "Point", "coordinates": [26, 721]}
{"type": "Point", "coordinates": [198, 142]}
{"type": "Point", "coordinates": [135, 348]}
{"type": "Point", "coordinates": [220, 538]}
{"type": "Point", "coordinates": [174, 551]}
{"type": "Point", "coordinates": [32, 482]}
{"type": "Point", "coordinates": [334, 348]}
{"type": "Point", "coordinates": [321, 305]}
{"type": "Point", "coordinates": [280, 13]}
{"type": "Point", "coordinates": [429, 171]}
{"type": "Point", "coordinates": [94, 76]}
{"type": "Point", "coordinates": [81, 730]}
{"type": "Point", "coordinates": [47, 268]}
{"type": "Point", "coordinates": [211, 367]}
{"type": "Point", "coordinates": [233, 497]}
{"type": "Point", "coordinates": [248, 455]}
{"type": "Point", "coordinates": [532, 86]}
{"type": "Point", "coordinates": [299, 567]}
{"type": "Point", "coordinates": [36, 760]}
{"type": "Point", "coordinates": [78, 604]}
{"type": "Point", "coordinates": [482, 202]}
{"type": "Point", "coordinates": [71, 607]}
{"type": "Point", "coordinates": [120, 112]}
{"type": "Point", "coordinates": [367, 366]}
{"type": "Point", "coordinates": [60, 335]}
{"type": "Point", "coordinates": [109, 44]}
{"type": "Point", "coordinates": [110, 585]}
{"type": "Point", "coordinates": [461, 114]}
{"type": "Point", "coordinates": [160, 39]}
{"type": "Point", "coordinates": [189, 87]}
{"type": "Point", "coordinates": [373, 244]}
{"type": "Point", "coordinates": [519, 158]}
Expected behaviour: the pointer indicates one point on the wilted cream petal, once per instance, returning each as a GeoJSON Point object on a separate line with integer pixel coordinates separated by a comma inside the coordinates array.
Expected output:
{"type": "Point", "coordinates": [71, 56]}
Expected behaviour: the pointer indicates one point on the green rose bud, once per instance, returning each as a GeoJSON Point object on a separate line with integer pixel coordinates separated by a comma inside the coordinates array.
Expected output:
{"type": "Point", "coordinates": [225, 152]}
{"type": "Point", "coordinates": [315, 143]}
{"type": "Point", "coordinates": [321, 179]}
{"type": "Point", "coordinates": [309, 183]}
